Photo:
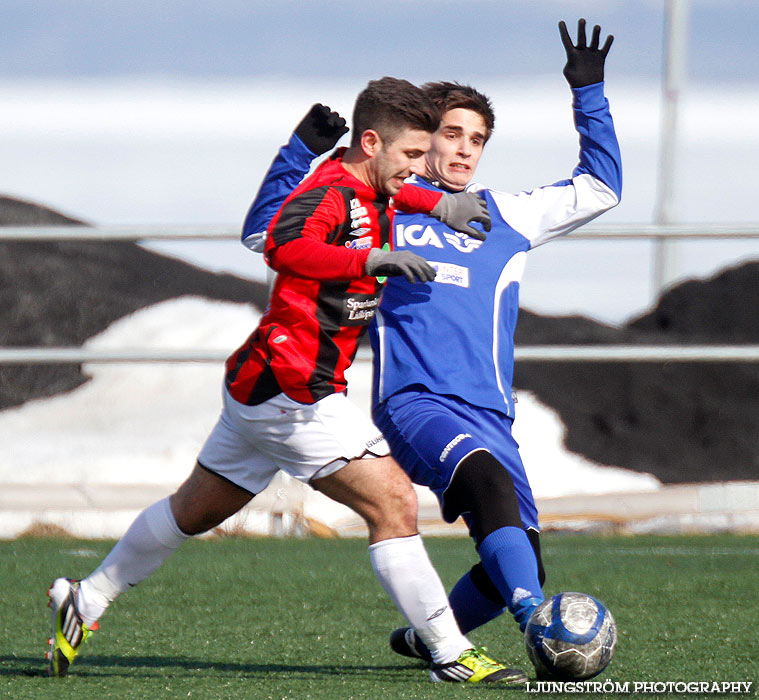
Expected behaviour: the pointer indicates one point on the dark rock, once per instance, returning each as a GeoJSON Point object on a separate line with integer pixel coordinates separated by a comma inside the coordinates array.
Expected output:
{"type": "Point", "coordinates": [680, 421]}
{"type": "Point", "coordinates": [61, 293]}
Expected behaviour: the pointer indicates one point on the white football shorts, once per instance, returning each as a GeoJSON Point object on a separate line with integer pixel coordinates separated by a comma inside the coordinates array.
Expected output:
{"type": "Point", "coordinates": [249, 444]}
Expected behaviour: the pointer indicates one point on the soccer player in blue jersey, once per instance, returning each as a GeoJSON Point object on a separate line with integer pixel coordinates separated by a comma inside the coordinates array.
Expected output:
{"type": "Point", "coordinates": [443, 351]}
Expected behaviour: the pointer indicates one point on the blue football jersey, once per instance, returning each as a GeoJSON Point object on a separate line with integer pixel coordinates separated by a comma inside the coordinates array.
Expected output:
{"type": "Point", "coordinates": [455, 335]}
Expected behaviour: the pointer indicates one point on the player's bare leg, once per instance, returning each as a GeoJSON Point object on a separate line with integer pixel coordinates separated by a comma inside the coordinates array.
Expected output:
{"type": "Point", "coordinates": [381, 493]}
{"type": "Point", "coordinates": [205, 500]}
{"type": "Point", "coordinates": [201, 503]}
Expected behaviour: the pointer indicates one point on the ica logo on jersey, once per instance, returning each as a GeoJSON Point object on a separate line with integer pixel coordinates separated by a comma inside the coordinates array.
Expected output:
{"type": "Point", "coordinates": [421, 235]}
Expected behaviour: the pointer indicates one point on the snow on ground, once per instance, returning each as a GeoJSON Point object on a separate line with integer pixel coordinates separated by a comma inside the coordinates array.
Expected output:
{"type": "Point", "coordinates": [130, 423]}
{"type": "Point", "coordinates": [144, 424]}
{"type": "Point", "coordinates": [555, 471]}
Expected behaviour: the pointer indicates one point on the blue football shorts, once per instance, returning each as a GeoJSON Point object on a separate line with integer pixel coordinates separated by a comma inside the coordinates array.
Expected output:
{"type": "Point", "coordinates": [429, 435]}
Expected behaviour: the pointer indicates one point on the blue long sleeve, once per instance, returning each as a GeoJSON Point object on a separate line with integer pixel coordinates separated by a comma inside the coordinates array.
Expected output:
{"type": "Point", "coordinates": [291, 164]}
{"type": "Point", "coordinates": [599, 148]}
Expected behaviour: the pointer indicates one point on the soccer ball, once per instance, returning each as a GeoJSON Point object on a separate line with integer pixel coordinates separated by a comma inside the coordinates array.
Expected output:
{"type": "Point", "coordinates": [570, 636]}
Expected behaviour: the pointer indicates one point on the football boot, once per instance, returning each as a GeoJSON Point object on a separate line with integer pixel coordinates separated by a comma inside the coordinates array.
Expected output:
{"type": "Point", "coordinates": [68, 630]}
{"type": "Point", "coordinates": [474, 666]}
{"type": "Point", "coordinates": [404, 641]}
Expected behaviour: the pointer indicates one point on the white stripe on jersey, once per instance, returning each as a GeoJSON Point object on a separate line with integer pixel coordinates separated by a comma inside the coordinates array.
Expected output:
{"type": "Point", "coordinates": [511, 273]}
{"type": "Point", "coordinates": [554, 210]}
{"type": "Point", "coordinates": [380, 324]}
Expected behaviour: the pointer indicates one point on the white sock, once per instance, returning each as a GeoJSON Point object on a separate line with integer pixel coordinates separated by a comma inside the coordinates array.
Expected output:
{"type": "Point", "coordinates": [148, 542]}
{"type": "Point", "coordinates": [406, 573]}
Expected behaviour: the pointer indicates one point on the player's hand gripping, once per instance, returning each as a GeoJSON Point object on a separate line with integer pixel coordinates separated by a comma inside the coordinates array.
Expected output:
{"type": "Point", "coordinates": [585, 64]}
{"type": "Point", "coordinates": [321, 129]}
{"type": "Point", "coordinates": [387, 263]}
{"type": "Point", "coordinates": [457, 210]}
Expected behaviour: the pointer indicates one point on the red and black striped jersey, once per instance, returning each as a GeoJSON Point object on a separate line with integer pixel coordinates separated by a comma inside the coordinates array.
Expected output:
{"type": "Point", "coordinates": [322, 301]}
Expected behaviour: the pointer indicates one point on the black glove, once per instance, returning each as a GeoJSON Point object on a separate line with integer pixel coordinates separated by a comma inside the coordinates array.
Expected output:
{"type": "Point", "coordinates": [457, 210]}
{"type": "Point", "coordinates": [321, 129]}
{"type": "Point", "coordinates": [585, 64]}
{"type": "Point", "coordinates": [387, 263]}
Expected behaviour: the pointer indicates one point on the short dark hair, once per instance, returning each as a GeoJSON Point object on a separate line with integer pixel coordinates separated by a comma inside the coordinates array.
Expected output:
{"type": "Point", "coordinates": [447, 96]}
{"type": "Point", "coordinates": [389, 105]}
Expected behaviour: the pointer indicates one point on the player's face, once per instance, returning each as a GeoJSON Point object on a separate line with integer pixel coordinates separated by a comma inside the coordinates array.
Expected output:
{"type": "Point", "coordinates": [456, 148]}
{"type": "Point", "coordinates": [399, 158]}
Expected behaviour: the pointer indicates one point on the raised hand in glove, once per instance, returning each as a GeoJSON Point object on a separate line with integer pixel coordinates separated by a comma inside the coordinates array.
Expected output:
{"type": "Point", "coordinates": [457, 210]}
{"type": "Point", "coordinates": [585, 64]}
{"type": "Point", "coordinates": [387, 263]}
{"type": "Point", "coordinates": [321, 129]}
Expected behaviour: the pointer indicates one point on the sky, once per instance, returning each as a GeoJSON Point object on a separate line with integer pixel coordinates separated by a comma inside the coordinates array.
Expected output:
{"type": "Point", "coordinates": [169, 112]}
{"type": "Point", "coordinates": [419, 39]}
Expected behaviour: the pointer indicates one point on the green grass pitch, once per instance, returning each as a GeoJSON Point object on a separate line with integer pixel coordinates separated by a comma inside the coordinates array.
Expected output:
{"type": "Point", "coordinates": [305, 619]}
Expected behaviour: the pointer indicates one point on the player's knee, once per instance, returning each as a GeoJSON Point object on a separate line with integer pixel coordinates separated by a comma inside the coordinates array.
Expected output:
{"type": "Point", "coordinates": [408, 510]}
{"type": "Point", "coordinates": [191, 521]}
{"type": "Point", "coordinates": [483, 488]}
{"type": "Point", "coordinates": [401, 507]}
{"type": "Point", "coordinates": [194, 516]}
{"type": "Point", "coordinates": [534, 537]}
{"type": "Point", "coordinates": [192, 528]}
{"type": "Point", "coordinates": [482, 480]}
{"type": "Point", "coordinates": [394, 510]}
{"type": "Point", "coordinates": [205, 500]}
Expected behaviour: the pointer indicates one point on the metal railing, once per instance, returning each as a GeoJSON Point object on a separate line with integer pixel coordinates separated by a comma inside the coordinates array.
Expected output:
{"type": "Point", "coordinates": [529, 353]}
{"type": "Point", "coordinates": [232, 232]}
{"type": "Point", "coordinates": [538, 353]}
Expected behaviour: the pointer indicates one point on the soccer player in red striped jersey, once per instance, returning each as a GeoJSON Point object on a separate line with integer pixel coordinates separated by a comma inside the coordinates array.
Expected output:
{"type": "Point", "coordinates": [284, 403]}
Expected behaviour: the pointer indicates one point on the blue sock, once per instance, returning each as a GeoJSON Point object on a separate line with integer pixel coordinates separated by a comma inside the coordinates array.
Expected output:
{"type": "Point", "coordinates": [470, 608]}
{"type": "Point", "coordinates": [509, 560]}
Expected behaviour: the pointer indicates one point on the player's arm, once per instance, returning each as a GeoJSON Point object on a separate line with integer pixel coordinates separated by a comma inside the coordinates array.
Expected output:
{"type": "Point", "coordinates": [318, 132]}
{"type": "Point", "coordinates": [584, 71]}
{"type": "Point", "coordinates": [596, 182]}
{"type": "Point", "coordinates": [297, 244]}
{"type": "Point", "coordinates": [457, 210]}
